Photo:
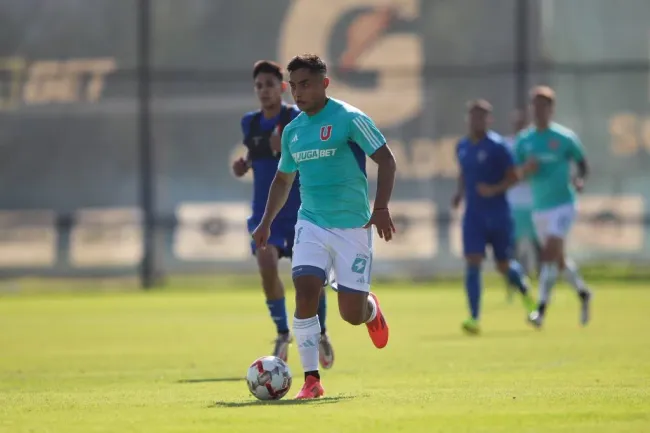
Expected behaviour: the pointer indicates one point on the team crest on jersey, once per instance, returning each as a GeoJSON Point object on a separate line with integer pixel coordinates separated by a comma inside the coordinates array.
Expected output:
{"type": "Point", "coordinates": [553, 144]}
{"type": "Point", "coordinates": [481, 156]}
{"type": "Point", "coordinates": [325, 132]}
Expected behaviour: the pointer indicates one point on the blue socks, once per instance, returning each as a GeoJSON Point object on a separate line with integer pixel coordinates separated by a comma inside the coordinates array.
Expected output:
{"type": "Point", "coordinates": [473, 288]}
{"type": "Point", "coordinates": [278, 312]}
{"type": "Point", "coordinates": [516, 276]}
{"type": "Point", "coordinates": [322, 311]}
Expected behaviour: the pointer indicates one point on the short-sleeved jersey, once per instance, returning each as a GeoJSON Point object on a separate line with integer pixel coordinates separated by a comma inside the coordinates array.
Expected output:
{"type": "Point", "coordinates": [329, 151]}
{"type": "Point", "coordinates": [520, 196]}
{"type": "Point", "coordinates": [257, 131]}
{"type": "Point", "coordinates": [486, 161]}
{"type": "Point", "coordinates": [554, 149]}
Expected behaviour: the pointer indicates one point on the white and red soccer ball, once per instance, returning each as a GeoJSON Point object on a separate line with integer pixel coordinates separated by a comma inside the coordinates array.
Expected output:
{"type": "Point", "coordinates": [269, 378]}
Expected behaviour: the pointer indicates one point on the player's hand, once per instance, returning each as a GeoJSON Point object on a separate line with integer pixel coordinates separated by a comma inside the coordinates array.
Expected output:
{"type": "Point", "coordinates": [530, 166]}
{"type": "Point", "coordinates": [486, 190]}
{"type": "Point", "coordinates": [276, 140]}
{"type": "Point", "coordinates": [456, 199]}
{"type": "Point", "coordinates": [381, 219]}
{"type": "Point", "coordinates": [261, 235]}
{"type": "Point", "coordinates": [240, 167]}
{"type": "Point", "coordinates": [579, 184]}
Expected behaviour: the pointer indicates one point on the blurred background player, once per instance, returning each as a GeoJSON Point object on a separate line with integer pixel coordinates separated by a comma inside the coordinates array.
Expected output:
{"type": "Point", "coordinates": [487, 171]}
{"type": "Point", "coordinates": [546, 151]}
{"type": "Point", "coordinates": [328, 143]}
{"type": "Point", "coordinates": [262, 130]}
{"type": "Point", "coordinates": [527, 248]}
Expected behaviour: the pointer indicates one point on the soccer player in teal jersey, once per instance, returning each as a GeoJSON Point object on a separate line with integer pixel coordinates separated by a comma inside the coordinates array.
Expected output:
{"type": "Point", "coordinates": [327, 145]}
{"type": "Point", "coordinates": [546, 151]}
{"type": "Point", "coordinates": [261, 138]}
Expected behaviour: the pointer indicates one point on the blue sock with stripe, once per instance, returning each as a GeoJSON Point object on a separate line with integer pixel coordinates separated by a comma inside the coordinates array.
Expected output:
{"type": "Point", "coordinates": [278, 310]}
{"type": "Point", "coordinates": [517, 276]}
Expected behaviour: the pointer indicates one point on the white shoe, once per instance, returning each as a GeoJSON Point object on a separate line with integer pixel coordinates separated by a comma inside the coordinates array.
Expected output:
{"type": "Point", "coordinates": [281, 346]}
{"type": "Point", "coordinates": [535, 319]}
{"type": "Point", "coordinates": [325, 352]}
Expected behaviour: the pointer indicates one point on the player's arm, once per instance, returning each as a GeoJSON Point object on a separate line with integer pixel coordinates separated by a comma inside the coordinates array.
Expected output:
{"type": "Point", "coordinates": [460, 183]}
{"type": "Point", "coordinates": [365, 133]}
{"type": "Point", "coordinates": [241, 166]}
{"type": "Point", "coordinates": [525, 166]}
{"type": "Point", "coordinates": [281, 185]}
{"type": "Point", "coordinates": [511, 175]}
{"type": "Point", "coordinates": [577, 153]}
{"type": "Point", "coordinates": [386, 168]}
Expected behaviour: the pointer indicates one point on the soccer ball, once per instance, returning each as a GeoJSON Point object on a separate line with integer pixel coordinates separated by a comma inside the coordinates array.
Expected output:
{"type": "Point", "coordinates": [269, 378]}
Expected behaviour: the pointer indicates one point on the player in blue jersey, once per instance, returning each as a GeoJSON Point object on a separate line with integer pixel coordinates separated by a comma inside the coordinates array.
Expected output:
{"type": "Point", "coordinates": [546, 152]}
{"type": "Point", "coordinates": [262, 130]}
{"type": "Point", "coordinates": [487, 171]}
{"type": "Point", "coordinates": [327, 144]}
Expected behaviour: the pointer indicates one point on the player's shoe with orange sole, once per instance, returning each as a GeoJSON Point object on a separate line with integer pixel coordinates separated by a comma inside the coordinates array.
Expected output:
{"type": "Point", "coordinates": [311, 389]}
{"type": "Point", "coordinates": [378, 328]}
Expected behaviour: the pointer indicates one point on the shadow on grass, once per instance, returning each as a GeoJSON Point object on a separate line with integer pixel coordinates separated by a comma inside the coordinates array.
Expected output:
{"type": "Point", "coordinates": [485, 334]}
{"type": "Point", "coordinates": [213, 379]}
{"type": "Point", "coordinates": [290, 402]}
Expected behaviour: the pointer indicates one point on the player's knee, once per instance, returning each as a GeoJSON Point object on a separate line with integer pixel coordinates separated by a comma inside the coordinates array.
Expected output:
{"type": "Point", "coordinates": [267, 259]}
{"type": "Point", "coordinates": [353, 307]}
{"type": "Point", "coordinates": [308, 290]}
{"type": "Point", "coordinates": [503, 266]}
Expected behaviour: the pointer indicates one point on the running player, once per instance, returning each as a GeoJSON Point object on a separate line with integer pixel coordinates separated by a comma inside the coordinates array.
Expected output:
{"type": "Point", "coordinates": [487, 171]}
{"type": "Point", "coordinates": [327, 144]}
{"type": "Point", "coordinates": [546, 150]}
{"type": "Point", "coordinates": [261, 130]}
{"type": "Point", "coordinates": [527, 249]}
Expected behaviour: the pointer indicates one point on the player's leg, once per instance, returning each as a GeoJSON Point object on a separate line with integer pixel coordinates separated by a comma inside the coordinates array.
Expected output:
{"type": "Point", "coordinates": [502, 241]}
{"type": "Point", "coordinates": [326, 351]}
{"type": "Point", "coordinates": [267, 263]}
{"type": "Point", "coordinates": [352, 265]}
{"type": "Point", "coordinates": [311, 262]}
{"type": "Point", "coordinates": [572, 275]}
{"type": "Point", "coordinates": [552, 227]}
{"type": "Point", "coordinates": [474, 242]}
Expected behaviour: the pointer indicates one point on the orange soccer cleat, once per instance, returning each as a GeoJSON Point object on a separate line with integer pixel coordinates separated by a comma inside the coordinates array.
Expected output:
{"type": "Point", "coordinates": [378, 328]}
{"type": "Point", "coordinates": [311, 389]}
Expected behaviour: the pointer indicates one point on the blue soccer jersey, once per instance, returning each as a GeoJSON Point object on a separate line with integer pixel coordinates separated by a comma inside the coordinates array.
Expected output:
{"type": "Point", "coordinates": [257, 132]}
{"type": "Point", "coordinates": [487, 220]}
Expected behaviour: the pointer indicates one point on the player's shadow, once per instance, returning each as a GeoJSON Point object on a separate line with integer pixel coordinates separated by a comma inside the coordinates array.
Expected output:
{"type": "Point", "coordinates": [315, 401]}
{"type": "Point", "coordinates": [213, 379]}
{"type": "Point", "coordinates": [486, 335]}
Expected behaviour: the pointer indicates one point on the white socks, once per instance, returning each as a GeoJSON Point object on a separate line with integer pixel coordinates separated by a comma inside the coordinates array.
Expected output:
{"type": "Point", "coordinates": [547, 279]}
{"type": "Point", "coordinates": [572, 275]}
{"type": "Point", "coordinates": [373, 305]}
{"type": "Point", "coordinates": [307, 335]}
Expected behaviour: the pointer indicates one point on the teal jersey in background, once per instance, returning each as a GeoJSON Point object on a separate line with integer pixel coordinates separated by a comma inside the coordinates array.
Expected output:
{"type": "Point", "coordinates": [554, 149]}
{"type": "Point", "coordinates": [329, 151]}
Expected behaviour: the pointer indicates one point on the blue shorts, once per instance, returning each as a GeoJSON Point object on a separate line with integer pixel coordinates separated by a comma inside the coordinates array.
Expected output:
{"type": "Point", "coordinates": [480, 231]}
{"type": "Point", "coordinates": [282, 234]}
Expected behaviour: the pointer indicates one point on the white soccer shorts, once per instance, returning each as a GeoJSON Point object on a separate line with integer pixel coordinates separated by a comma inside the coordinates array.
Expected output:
{"type": "Point", "coordinates": [554, 222]}
{"type": "Point", "coordinates": [342, 256]}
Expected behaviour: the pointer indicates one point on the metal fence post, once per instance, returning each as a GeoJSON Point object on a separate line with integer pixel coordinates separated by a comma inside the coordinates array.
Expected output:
{"type": "Point", "coordinates": [522, 52]}
{"type": "Point", "coordinates": [146, 150]}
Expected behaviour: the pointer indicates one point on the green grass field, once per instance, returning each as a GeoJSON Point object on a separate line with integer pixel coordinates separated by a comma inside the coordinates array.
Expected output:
{"type": "Point", "coordinates": [173, 360]}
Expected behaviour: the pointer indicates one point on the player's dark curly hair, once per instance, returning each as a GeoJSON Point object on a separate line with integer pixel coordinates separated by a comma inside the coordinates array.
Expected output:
{"type": "Point", "coordinates": [311, 62]}
{"type": "Point", "coordinates": [267, 67]}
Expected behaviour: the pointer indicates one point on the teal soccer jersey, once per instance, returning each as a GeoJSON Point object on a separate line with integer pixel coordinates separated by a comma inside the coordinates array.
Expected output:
{"type": "Point", "coordinates": [329, 151]}
{"type": "Point", "coordinates": [554, 149]}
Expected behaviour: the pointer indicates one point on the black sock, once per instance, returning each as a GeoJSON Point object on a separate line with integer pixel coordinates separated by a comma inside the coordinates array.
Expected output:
{"type": "Point", "coordinates": [584, 295]}
{"type": "Point", "coordinates": [323, 331]}
{"type": "Point", "coordinates": [312, 373]}
{"type": "Point", "coordinates": [541, 308]}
